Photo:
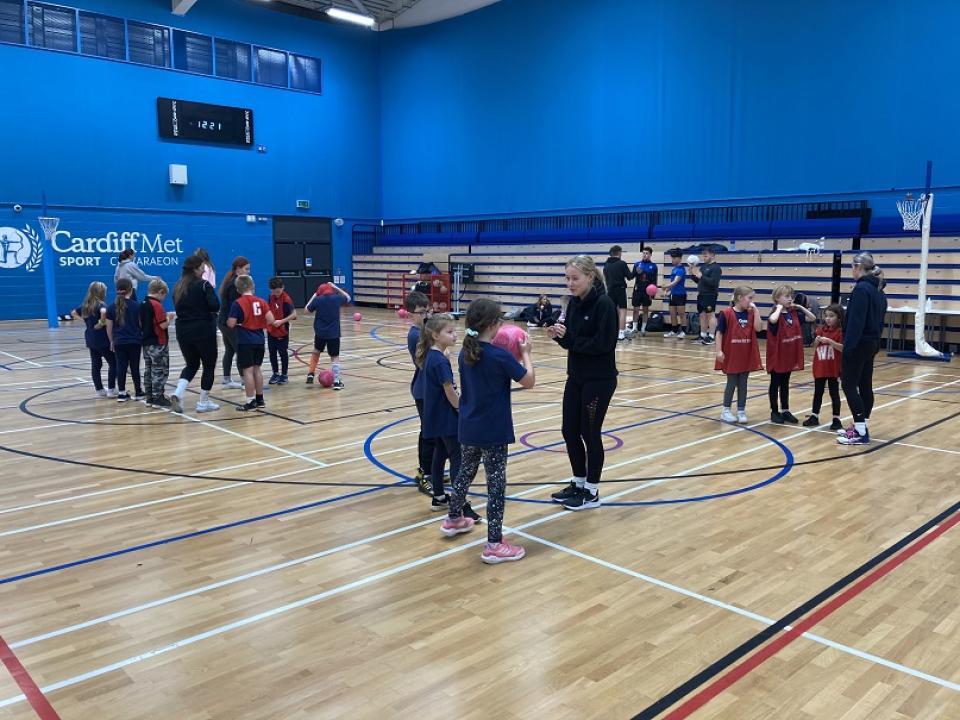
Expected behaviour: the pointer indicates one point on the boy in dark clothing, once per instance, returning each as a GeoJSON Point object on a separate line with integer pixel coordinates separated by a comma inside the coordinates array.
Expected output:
{"type": "Point", "coordinates": [645, 271]}
{"type": "Point", "coordinates": [154, 323]}
{"type": "Point", "coordinates": [708, 277]}
{"type": "Point", "coordinates": [616, 273]}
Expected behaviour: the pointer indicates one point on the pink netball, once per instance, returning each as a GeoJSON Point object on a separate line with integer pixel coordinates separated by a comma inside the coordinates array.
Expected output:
{"type": "Point", "coordinates": [401, 313]}
{"type": "Point", "coordinates": [358, 317]}
{"type": "Point", "coordinates": [652, 290]}
{"type": "Point", "coordinates": [509, 338]}
{"type": "Point", "coordinates": [325, 378]}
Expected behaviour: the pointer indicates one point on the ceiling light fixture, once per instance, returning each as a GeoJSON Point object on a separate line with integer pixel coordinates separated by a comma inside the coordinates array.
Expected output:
{"type": "Point", "coordinates": [351, 17]}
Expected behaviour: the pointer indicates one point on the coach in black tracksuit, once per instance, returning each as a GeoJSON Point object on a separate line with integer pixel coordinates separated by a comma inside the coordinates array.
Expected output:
{"type": "Point", "coordinates": [616, 273]}
{"type": "Point", "coordinates": [588, 332]}
{"type": "Point", "coordinates": [862, 328]}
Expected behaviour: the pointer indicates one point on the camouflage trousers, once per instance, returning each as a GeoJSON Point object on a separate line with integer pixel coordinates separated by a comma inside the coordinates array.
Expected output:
{"type": "Point", "coordinates": [156, 368]}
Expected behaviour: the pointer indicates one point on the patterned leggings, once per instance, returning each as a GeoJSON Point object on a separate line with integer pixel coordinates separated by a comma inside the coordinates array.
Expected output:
{"type": "Point", "coordinates": [495, 467]}
{"type": "Point", "coordinates": [156, 360]}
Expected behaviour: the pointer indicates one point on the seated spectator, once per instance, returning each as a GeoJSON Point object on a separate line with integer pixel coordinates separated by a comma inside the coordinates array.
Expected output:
{"type": "Point", "coordinates": [542, 313]}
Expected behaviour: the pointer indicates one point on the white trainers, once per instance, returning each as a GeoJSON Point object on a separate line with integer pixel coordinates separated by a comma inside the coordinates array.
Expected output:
{"type": "Point", "coordinates": [670, 334]}
{"type": "Point", "coordinates": [101, 393]}
{"type": "Point", "coordinates": [741, 417]}
{"type": "Point", "coordinates": [681, 335]}
{"type": "Point", "coordinates": [233, 384]}
{"type": "Point", "coordinates": [728, 416]}
{"type": "Point", "coordinates": [207, 406]}
{"type": "Point", "coordinates": [112, 392]}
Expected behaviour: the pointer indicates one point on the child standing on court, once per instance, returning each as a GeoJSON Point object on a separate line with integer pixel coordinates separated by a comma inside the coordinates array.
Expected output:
{"type": "Point", "coordinates": [738, 350]}
{"type": "Point", "coordinates": [784, 350]}
{"type": "Point", "coordinates": [278, 334]}
{"type": "Point", "coordinates": [440, 403]}
{"type": "Point", "coordinates": [486, 425]}
{"type": "Point", "coordinates": [154, 321]}
{"type": "Point", "coordinates": [827, 355]}
{"type": "Point", "coordinates": [326, 303]}
{"type": "Point", "coordinates": [645, 271]}
{"type": "Point", "coordinates": [416, 304]}
{"type": "Point", "coordinates": [250, 315]}
{"type": "Point", "coordinates": [123, 329]}
{"type": "Point", "coordinates": [677, 292]}
{"type": "Point", "coordinates": [94, 314]}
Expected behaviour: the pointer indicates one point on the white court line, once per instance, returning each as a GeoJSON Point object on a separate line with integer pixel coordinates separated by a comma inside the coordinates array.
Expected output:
{"type": "Point", "coordinates": [241, 578]}
{"type": "Point", "coordinates": [88, 422]}
{"type": "Point", "coordinates": [20, 359]}
{"type": "Point", "coordinates": [740, 611]}
{"type": "Point", "coordinates": [339, 590]}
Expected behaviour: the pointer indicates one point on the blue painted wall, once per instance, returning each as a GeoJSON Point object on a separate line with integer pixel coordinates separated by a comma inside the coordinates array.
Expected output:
{"type": "Point", "coordinates": [550, 104]}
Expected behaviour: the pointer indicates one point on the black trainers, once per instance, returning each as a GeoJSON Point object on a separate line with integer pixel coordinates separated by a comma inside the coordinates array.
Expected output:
{"type": "Point", "coordinates": [471, 513]}
{"type": "Point", "coordinates": [149, 401]}
{"type": "Point", "coordinates": [423, 483]}
{"type": "Point", "coordinates": [584, 500]}
{"type": "Point", "coordinates": [812, 421]}
{"type": "Point", "coordinates": [568, 493]}
{"type": "Point", "coordinates": [309, 378]}
{"type": "Point", "coordinates": [282, 380]}
{"type": "Point", "coordinates": [247, 407]}
{"type": "Point", "coordinates": [776, 417]}
{"type": "Point", "coordinates": [259, 402]}
{"type": "Point", "coordinates": [789, 417]}
{"type": "Point", "coordinates": [161, 402]}
{"type": "Point", "coordinates": [439, 503]}
{"type": "Point", "coordinates": [709, 340]}
{"type": "Point", "coordinates": [274, 379]}
{"type": "Point", "coordinates": [836, 424]}
{"type": "Point", "coordinates": [123, 397]}
{"type": "Point", "coordinates": [338, 385]}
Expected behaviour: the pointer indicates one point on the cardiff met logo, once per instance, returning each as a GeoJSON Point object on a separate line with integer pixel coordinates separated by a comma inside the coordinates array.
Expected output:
{"type": "Point", "coordinates": [20, 248]}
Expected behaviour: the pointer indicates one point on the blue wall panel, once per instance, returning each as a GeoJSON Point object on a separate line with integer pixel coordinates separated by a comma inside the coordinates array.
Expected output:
{"type": "Point", "coordinates": [531, 105]}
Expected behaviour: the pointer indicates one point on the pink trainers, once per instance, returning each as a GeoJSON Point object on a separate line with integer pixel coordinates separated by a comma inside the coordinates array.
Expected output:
{"type": "Point", "coordinates": [455, 526]}
{"type": "Point", "coordinates": [501, 552]}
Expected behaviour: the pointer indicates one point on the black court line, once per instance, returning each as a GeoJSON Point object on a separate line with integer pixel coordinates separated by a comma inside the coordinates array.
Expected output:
{"type": "Point", "coordinates": [745, 648]}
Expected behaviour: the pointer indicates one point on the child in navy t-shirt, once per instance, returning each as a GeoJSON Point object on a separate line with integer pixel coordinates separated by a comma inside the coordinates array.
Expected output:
{"type": "Point", "coordinates": [123, 329]}
{"type": "Point", "coordinates": [94, 314]}
{"type": "Point", "coordinates": [325, 304]}
{"type": "Point", "coordinates": [416, 304]}
{"type": "Point", "coordinates": [486, 424]}
{"type": "Point", "coordinates": [677, 291]}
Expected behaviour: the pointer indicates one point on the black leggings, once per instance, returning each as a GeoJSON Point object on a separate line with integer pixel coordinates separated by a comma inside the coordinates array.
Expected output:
{"type": "Point", "coordinates": [444, 447]}
{"type": "Point", "coordinates": [584, 408]}
{"type": "Point", "coordinates": [819, 385]}
{"type": "Point", "coordinates": [128, 356]}
{"type": "Point", "coordinates": [779, 384]}
{"type": "Point", "coordinates": [424, 445]}
{"type": "Point", "coordinates": [196, 351]}
{"type": "Point", "coordinates": [97, 356]}
{"type": "Point", "coordinates": [279, 358]}
{"type": "Point", "coordinates": [857, 379]}
{"type": "Point", "coordinates": [229, 349]}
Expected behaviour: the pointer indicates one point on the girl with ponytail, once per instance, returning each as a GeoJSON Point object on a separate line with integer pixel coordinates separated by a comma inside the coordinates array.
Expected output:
{"type": "Point", "coordinates": [486, 425]}
{"type": "Point", "coordinates": [123, 329]}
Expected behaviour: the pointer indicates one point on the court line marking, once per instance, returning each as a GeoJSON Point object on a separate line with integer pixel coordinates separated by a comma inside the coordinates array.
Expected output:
{"type": "Point", "coordinates": [863, 655]}
{"type": "Point", "coordinates": [190, 640]}
{"type": "Point", "coordinates": [241, 578]}
{"type": "Point", "coordinates": [38, 701]}
{"type": "Point", "coordinates": [19, 359]}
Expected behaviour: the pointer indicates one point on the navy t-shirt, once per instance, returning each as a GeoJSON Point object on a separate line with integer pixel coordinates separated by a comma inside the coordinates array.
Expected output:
{"type": "Point", "coordinates": [95, 339]}
{"type": "Point", "coordinates": [326, 320]}
{"type": "Point", "coordinates": [485, 416]}
{"type": "Point", "coordinates": [245, 336]}
{"type": "Point", "coordinates": [743, 316]}
{"type": "Point", "coordinates": [439, 416]}
{"type": "Point", "coordinates": [128, 332]}
{"type": "Point", "coordinates": [416, 385]}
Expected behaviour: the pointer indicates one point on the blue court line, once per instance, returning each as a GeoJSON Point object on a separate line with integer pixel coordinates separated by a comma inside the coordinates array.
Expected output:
{"type": "Point", "coordinates": [787, 466]}
{"type": "Point", "coordinates": [374, 333]}
{"type": "Point", "coordinates": [187, 536]}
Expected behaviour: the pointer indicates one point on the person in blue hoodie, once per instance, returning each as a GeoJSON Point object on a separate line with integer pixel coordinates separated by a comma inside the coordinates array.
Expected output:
{"type": "Point", "coordinates": [861, 342]}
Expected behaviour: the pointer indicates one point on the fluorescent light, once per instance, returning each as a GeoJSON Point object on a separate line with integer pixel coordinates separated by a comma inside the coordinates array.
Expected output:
{"type": "Point", "coordinates": [352, 17]}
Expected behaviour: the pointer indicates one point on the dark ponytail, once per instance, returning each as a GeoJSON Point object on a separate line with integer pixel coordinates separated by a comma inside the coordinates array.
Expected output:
{"type": "Point", "coordinates": [123, 285]}
{"type": "Point", "coordinates": [481, 316]}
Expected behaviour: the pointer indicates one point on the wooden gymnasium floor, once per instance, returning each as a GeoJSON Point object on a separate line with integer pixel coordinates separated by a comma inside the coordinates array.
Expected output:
{"type": "Point", "coordinates": [276, 566]}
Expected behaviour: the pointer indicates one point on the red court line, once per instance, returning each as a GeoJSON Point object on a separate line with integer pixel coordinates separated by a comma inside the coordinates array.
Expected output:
{"type": "Point", "coordinates": [768, 651]}
{"type": "Point", "coordinates": [34, 694]}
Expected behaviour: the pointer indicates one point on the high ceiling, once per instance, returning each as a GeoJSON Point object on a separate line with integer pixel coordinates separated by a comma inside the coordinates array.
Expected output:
{"type": "Point", "coordinates": [396, 13]}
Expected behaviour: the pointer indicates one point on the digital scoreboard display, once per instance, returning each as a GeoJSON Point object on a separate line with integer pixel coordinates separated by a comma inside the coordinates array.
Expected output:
{"type": "Point", "coordinates": [201, 122]}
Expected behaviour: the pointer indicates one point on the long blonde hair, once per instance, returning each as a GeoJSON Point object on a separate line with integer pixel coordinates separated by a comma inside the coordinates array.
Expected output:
{"type": "Point", "coordinates": [586, 265]}
{"type": "Point", "coordinates": [96, 296]}
{"type": "Point", "coordinates": [433, 324]}
{"type": "Point", "coordinates": [739, 292]}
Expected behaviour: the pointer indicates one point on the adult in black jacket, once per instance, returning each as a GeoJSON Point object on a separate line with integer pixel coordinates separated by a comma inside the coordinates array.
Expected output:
{"type": "Point", "coordinates": [228, 295]}
{"type": "Point", "coordinates": [196, 304]}
{"type": "Point", "coordinates": [863, 326]}
{"type": "Point", "coordinates": [616, 273]}
{"type": "Point", "coordinates": [588, 331]}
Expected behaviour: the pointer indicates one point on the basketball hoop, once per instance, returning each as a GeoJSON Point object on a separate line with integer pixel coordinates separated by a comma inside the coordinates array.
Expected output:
{"type": "Point", "coordinates": [911, 211]}
{"type": "Point", "coordinates": [49, 226]}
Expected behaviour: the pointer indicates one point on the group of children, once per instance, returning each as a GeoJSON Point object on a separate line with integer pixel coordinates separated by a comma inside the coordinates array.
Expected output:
{"type": "Point", "coordinates": [738, 354]}
{"type": "Point", "coordinates": [469, 424]}
{"type": "Point", "coordinates": [120, 332]}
